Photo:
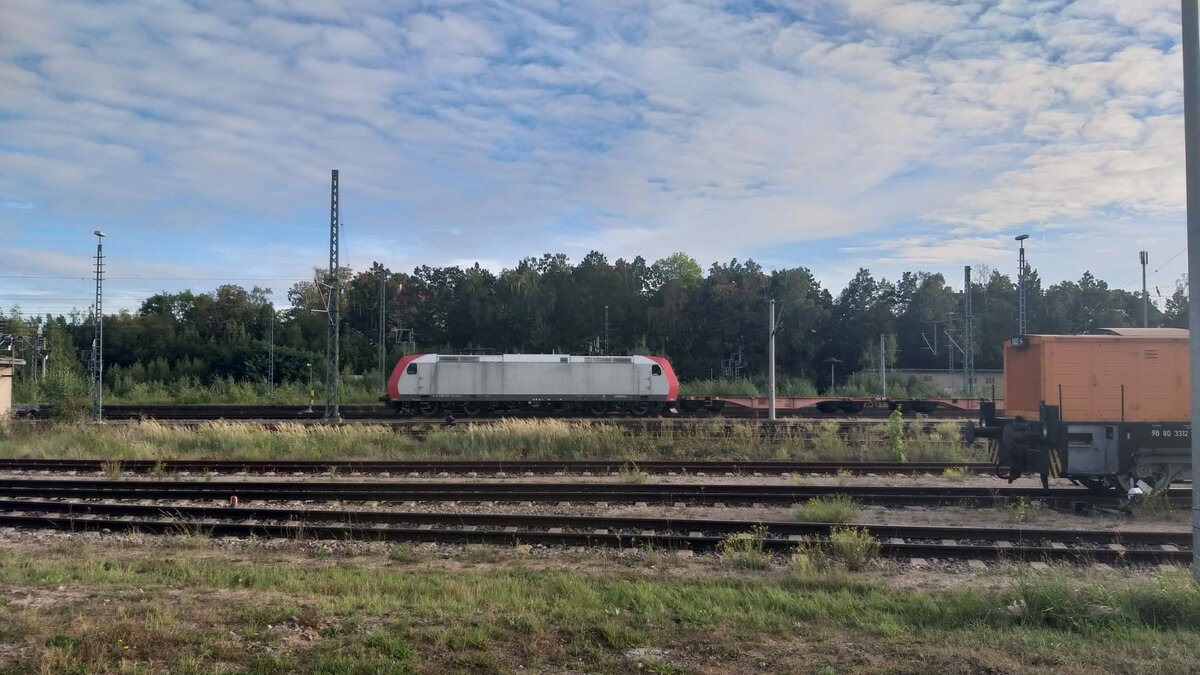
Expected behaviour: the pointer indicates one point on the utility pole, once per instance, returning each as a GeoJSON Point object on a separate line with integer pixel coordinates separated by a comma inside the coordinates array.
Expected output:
{"type": "Point", "coordinates": [883, 364]}
{"type": "Point", "coordinates": [382, 326]}
{"type": "Point", "coordinates": [1145, 258]}
{"type": "Point", "coordinates": [98, 340]}
{"type": "Point", "coordinates": [606, 330]}
{"type": "Point", "coordinates": [771, 367]}
{"type": "Point", "coordinates": [271, 357]}
{"type": "Point", "coordinates": [833, 361]}
{"type": "Point", "coordinates": [1191, 132]}
{"type": "Point", "coordinates": [1021, 325]}
{"type": "Point", "coordinates": [332, 337]}
{"type": "Point", "coordinates": [968, 336]}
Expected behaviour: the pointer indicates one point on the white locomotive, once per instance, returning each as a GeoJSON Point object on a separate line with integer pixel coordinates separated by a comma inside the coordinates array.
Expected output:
{"type": "Point", "coordinates": [430, 384]}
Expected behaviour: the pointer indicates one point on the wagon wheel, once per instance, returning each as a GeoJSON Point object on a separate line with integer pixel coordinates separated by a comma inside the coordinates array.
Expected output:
{"type": "Point", "coordinates": [596, 408]}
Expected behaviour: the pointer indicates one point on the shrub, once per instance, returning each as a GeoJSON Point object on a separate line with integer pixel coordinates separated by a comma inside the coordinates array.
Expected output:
{"type": "Point", "coordinates": [835, 509]}
{"type": "Point", "coordinates": [745, 549]}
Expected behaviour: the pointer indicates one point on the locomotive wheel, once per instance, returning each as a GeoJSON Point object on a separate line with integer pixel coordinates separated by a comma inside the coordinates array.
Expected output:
{"type": "Point", "coordinates": [639, 409]}
{"type": "Point", "coordinates": [472, 408]}
{"type": "Point", "coordinates": [430, 408]}
{"type": "Point", "coordinates": [596, 409]}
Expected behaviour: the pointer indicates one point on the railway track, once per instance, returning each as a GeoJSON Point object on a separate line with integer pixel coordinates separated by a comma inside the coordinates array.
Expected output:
{"type": "Point", "coordinates": [664, 533]}
{"type": "Point", "coordinates": [384, 414]}
{"type": "Point", "coordinates": [493, 491]}
{"type": "Point", "coordinates": [483, 467]}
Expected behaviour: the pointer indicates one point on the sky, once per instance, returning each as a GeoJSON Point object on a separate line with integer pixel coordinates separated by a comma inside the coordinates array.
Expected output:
{"type": "Point", "coordinates": [889, 134]}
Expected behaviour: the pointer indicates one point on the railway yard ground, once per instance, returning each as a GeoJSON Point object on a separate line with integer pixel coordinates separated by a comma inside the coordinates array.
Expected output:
{"type": "Point", "coordinates": [572, 547]}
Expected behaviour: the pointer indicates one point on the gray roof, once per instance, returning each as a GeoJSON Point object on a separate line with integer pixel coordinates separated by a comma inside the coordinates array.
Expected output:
{"type": "Point", "coordinates": [9, 361]}
{"type": "Point", "coordinates": [1149, 332]}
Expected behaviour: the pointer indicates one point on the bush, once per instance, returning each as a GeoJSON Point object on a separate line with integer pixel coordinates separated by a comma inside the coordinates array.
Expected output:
{"type": "Point", "coordinates": [848, 547]}
{"type": "Point", "coordinates": [835, 509]}
{"type": "Point", "coordinates": [745, 549]}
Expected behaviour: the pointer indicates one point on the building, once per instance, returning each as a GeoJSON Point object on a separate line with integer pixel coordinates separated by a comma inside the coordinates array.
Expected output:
{"type": "Point", "coordinates": [7, 366]}
{"type": "Point", "coordinates": [951, 383]}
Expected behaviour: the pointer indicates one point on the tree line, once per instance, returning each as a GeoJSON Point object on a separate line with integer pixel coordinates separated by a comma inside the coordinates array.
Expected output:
{"type": "Point", "coordinates": [709, 323]}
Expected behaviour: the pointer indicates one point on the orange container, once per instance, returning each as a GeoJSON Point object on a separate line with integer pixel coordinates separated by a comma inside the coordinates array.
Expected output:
{"type": "Point", "coordinates": [1151, 365]}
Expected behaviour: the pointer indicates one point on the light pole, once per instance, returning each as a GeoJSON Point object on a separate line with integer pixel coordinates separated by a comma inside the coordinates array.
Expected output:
{"type": "Point", "coordinates": [771, 366]}
{"type": "Point", "coordinates": [98, 340]}
{"type": "Point", "coordinates": [1021, 325]}
{"type": "Point", "coordinates": [311, 393]}
{"type": "Point", "coordinates": [1191, 137]}
{"type": "Point", "coordinates": [832, 361]}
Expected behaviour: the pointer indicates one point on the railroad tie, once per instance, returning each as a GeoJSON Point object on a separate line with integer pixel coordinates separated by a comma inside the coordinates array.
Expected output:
{"type": "Point", "coordinates": [556, 530]}
{"type": "Point", "coordinates": [470, 528]}
{"type": "Point", "coordinates": [949, 542]}
{"type": "Point", "coordinates": [600, 530]}
{"type": "Point", "coordinates": [510, 528]}
{"type": "Point", "coordinates": [896, 541]}
{"type": "Point", "coordinates": [719, 505]}
{"type": "Point", "coordinates": [1003, 544]}
{"type": "Point", "coordinates": [640, 504]}
{"type": "Point", "coordinates": [564, 503]}
{"type": "Point", "coordinates": [976, 564]}
{"type": "Point", "coordinates": [1039, 565]}
{"type": "Point", "coordinates": [647, 533]}
{"type": "Point", "coordinates": [695, 534]}
{"type": "Point", "coordinates": [425, 526]}
{"type": "Point", "coordinates": [1169, 547]}
{"type": "Point", "coordinates": [1058, 546]}
{"type": "Point", "coordinates": [918, 562]}
{"type": "Point", "coordinates": [601, 505]}
{"type": "Point", "coordinates": [680, 505]}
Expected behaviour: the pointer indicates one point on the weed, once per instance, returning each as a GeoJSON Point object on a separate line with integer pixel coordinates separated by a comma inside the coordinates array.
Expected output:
{"type": "Point", "coordinates": [1024, 510]}
{"type": "Point", "coordinates": [745, 549]}
{"type": "Point", "coordinates": [849, 547]}
{"type": "Point", "coordinates": [843, 476]}
{"type": "Point", "coordinates": [112, 468]}
{"type": "Point", "coordinates": [404, 553]}
{"type": "Point", "coordinates": [893, 434]}
{"type": "Point", "coordinates": [834, 509]}
{"type": "Point", "coordinates": [631, 473]}
{"type": "Point", "coordinates": [956, 474]}
{"type": "Point", "coordinates": [1153, 505]}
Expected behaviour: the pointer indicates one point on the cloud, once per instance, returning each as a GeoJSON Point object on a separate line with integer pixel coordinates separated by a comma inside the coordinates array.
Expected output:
{"type": "Point", "coordinates": [492, 131]}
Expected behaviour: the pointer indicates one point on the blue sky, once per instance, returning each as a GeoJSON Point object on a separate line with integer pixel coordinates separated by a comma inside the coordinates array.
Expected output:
{"type": "Point", "coordinates": [888, 134]}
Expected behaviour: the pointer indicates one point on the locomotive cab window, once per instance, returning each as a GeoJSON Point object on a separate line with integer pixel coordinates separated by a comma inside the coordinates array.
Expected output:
{"type": "Point", "coordinates": [411, 369]}
{"type": "Point", "coordinates": [656, 369]}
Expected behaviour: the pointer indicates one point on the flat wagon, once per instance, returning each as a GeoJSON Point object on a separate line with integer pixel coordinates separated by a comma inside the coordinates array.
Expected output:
{"type": "Point", "coordinates": [1108, 411]}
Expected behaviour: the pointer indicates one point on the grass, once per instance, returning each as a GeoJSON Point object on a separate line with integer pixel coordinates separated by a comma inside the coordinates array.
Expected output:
{"type": "Point", "coordinates": [502, 439]}
{"type": "Point", "coordinates": [956, 474]}
{"type": "Point", "coordinates": [745, 549]}
{"type": "Point", "coordinates": [833, 509]}
{"type": "Point", "coordinates": [1022, 510]}
{"type": "Point", "coordinates": [847, 548]}
{"type": "Point", "coordinates": [92, 608]}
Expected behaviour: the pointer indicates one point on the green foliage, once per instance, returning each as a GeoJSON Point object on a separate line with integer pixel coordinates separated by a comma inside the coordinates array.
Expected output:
{"type": "Point", "coordinates": [848, 548]}
{"type": "Point", "coordinates": [745, 549]}
{"type": "Point", "coordinates": [833, 509]}
{"type": "Point", "coordinates": [893, 434]}
{"type": "Point", "coordinates": [182, 344]}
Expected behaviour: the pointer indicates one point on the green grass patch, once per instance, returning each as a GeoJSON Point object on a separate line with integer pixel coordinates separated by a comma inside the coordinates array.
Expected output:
{"type": "Point", "coordinates": [112, 610]}
{"type": "Point", "coordinates": [501, 439]}
{"type": "Point", "coordinates": [832, 509]}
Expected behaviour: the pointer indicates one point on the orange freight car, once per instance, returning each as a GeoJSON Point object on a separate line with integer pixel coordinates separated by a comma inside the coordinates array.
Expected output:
{"type": "Point", "coordinates": [1107, 411]}
{"type": "Point", "coordinates": [1136, 375]}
